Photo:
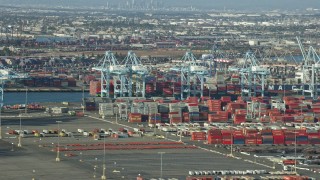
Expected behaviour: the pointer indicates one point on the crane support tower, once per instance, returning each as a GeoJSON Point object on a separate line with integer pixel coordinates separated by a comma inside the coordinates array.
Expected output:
{"type": "Point", "coordinates": [253, 76]}
{"type": "Point", "coordinates": [136, 72]}
{"type": "Point", "coordinates": [310, 70]}
{"type": "Point", "coordinates": [110, 68]}
{"type": "Point", "coordinates": [193, 72]}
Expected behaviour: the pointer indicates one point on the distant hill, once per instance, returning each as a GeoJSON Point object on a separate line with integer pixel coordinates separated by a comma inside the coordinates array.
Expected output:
{"type": "Point", "coordinates": [207, 4]}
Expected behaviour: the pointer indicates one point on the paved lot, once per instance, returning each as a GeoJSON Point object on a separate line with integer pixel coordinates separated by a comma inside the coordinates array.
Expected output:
{"type": "Point", "coordinates": [120, 164]}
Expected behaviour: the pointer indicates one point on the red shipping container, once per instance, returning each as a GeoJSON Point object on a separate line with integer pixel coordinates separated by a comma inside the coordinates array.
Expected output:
{"type": "Point", "coordinates": [225, 132]}
{"type": "Point", "coordinates": [250, 141]}
{"type": "Point", "coordinates": [226, 99]}
{"type": "Point", "coordinates": [214, 136]}
{"type": "Point", "coordinates": [214, 141]}
{"type": "Point", "coordinates": [239, 118]}
{"type": "Point", "coordinates": [259, 140]}
{"type": "Point", "coordinates": [198, 136]}
{"type": "Point", "coordinates": [237, 136]}
{"type": "Point", "coordinates": [288, 162]}
{"type": "Point", "coordinates": [175, 120]}
{"type": "Point", "coordinates": [227, 141]}
{"type": "Point", "coordinates": [199, 178]}
{"type": "Point", "coordinates": [186, 119]}
{"type": "Point", "coordinates": [214, 132]}
{"type": "Point", "coordinates": [278, 139]}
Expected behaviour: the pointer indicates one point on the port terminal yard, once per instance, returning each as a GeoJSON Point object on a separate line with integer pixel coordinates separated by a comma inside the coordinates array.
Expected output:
{"type": "Point", "coordinates": [82, 153]}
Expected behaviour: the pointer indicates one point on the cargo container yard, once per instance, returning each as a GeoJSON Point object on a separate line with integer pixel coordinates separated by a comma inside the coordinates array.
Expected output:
{"type": "Point", "coordinates": [130, 150]}
{"type": "Point", "coordinates": [186, 112]}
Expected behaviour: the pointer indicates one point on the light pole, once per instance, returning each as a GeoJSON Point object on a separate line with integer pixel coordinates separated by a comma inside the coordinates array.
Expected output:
{"type": "Point", "coordinates": [19, 138]}
{"type": "Point", "coordinates": [161, 154]}
{"type": "Point", "coordinates": [81, 157]}
{"type": "Point", "coordinates": [231, 149]}
{"type": "Point", "coordinates": [117, 118]}
{"type": "Point", "coordinates": [295, 152]}
{"type": "Point", "coordinates": [155, 125]}
{"type": "Point", "coordinates": [58, 149]}
{"type": "Point", "coordinates": [83, 99]}
{"type": "Point", "coordinates": [12, 147]}
{"type": "Point", "coordinates": [255, 159]}
{"type": "Point", "coordinates": [104, 160]}
{"type": "Point", "coordinates": [0, 121]}
{"type": "Point", "coordinates": [33, 173]}
{"type": "Point", "coordinates": [95, 168]}
{"type": "Point", "coordinates": [26, 103]}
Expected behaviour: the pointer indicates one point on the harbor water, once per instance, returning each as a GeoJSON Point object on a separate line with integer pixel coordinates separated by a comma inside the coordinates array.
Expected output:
{"type": "Point", "coordinates": [11, 98]}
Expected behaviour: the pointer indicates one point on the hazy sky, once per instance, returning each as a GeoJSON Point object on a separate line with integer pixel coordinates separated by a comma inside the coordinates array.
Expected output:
{"type": "Point", "coordinates": [208, 4]}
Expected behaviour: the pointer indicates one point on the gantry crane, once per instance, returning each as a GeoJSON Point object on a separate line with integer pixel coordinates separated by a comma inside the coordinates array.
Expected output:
{"type": "Point", "coordinates": [216, 62]}
{"type": "Point", "coordinates": [109, 67]}
{"type": "Point", "coordinates": [135, 67]}
{"type": "Point", "coordinates": [192, 72]}
{"type": "Point", "coordinates": [252, 76]}
{"type": "Point", "coordinates": [7, 74]}
{"type": "Point", "coordinates": [310, 70]}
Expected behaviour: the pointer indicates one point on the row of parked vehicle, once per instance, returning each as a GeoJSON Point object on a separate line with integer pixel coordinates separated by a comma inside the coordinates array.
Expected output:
{"type": "Point", "coordinates": [228, 172]}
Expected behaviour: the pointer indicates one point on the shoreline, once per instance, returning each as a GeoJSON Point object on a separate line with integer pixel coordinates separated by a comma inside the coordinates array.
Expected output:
{"type": "Point", "coordinates": [43, 90]}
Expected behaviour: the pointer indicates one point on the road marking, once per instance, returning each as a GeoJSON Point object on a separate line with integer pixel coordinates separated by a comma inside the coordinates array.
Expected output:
{"type": "Point", "coordinates": [205, 149]}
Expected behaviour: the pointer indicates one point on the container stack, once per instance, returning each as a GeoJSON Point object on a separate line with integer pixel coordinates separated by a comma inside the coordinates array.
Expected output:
{"type": "Point", "coordinates": [214, 136]}
{"type": "Point", "coordinates": [238, 137]}
{"type": "Point", "coordinates": [301, 137]}
{"type": "Point", "coordinates": [90, 106]}
{"type": "Point", "coordinates": [203, 116]}
{"type": "Point", "coordinates": [267, 137]}
{"type": "Point", "coordinates": [225, 99]}
{"type": "Point", "coordinates": [176, 88]}
{"type": "Point", "coordinates": [154, 118]}
{"type": "Point", "coordinates": [150, 88]}
{"type": "Point", "coordinates": [232, 107]}
{"type": "Point", "coordinates": [175, 117]}
{"type": "Point", "coordinates": [152, 107]}
{"type": "Point", "coordinates": [278, 137]}
{"type": "Point", "coordinates": [186, 117]}
{"type": "Point", "coordinates": [223, 115]}
{"type": "Point", "coordinates": [314, 139]}
{"type": "Point", "coordinates": [251, 140]}
{"type": "Point", "coordinates": [141, 108]}
{"type": "Point", "coordinates": [122, 110]}
{"type": "Point", "coordinates": [315, 108]}
{"type": "Point", "coordinates": [203, 108]}
{"type": "Point", "coordinates": [214, 105]}
{"type": "Point", "coordinates": [163, 108]}
{"type": "Point", "coordinates": [198, 136]}
{"type": "Point", "coordinates": [175, 113]}
{"type": "Point", "coordinates": [226, 137]}
{"type": "Point", "coordinates": [135, 117]}
{"type": "Point", "coordinates": [135, 108]}
{"type": "Point", "coordinates": [309, 117]}
{"type": "Point", "coordinates": [95, 87]}
{"type": "Point", "coordinates": [106, 109]}
{"type": "Point", "coordinates": [193, 112]}
{"type": "Point", "coordinates": [239, 118]}
{"type": "Point", "coordinates": [174, 107]}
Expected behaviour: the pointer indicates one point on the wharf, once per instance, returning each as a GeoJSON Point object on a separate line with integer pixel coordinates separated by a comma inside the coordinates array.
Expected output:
{"type": "Point", "coordinates": [45, 90]}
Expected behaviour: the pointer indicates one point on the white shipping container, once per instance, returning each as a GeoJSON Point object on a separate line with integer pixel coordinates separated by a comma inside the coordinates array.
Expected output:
{"type": "Point", "coordinates": [106, 109]}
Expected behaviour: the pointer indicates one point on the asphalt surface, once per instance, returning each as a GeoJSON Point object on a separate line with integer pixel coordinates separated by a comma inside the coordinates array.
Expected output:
{"type": "Point", "coordinates": [35, 159]}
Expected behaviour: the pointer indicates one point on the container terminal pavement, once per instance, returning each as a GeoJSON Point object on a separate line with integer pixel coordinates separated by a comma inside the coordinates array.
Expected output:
{"type": "Point", "coordinates": [36, 158]}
